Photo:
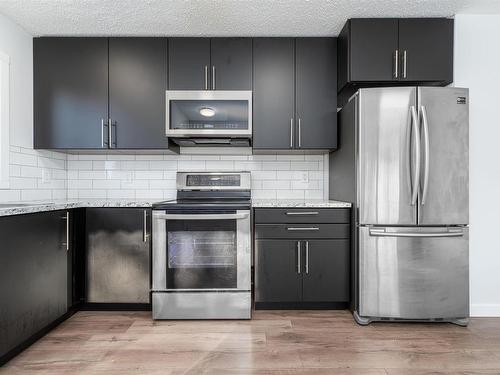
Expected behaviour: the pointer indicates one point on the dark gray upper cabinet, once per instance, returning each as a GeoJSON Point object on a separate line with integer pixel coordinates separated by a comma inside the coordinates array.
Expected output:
{"type": "Point", "coordinates": [294, 93]}
{"type": "Point", "coordinates": [388, 51]}
{"type": "Point", "coordinates": [231, 60]}
{"type": "Point", "coordinates": [316, 93]}
{"type": "Point", "coordinates": [137, 84]}
{"type": "Point", "coordinates": [428, 46]}
{"type": "Point", "coordinates": [33, 276]}
{"type": "Point", "coordinates": [70, 93]}
{"type": "Point", "coordinates": [326, 275]}
{"type": "Point", "coordinates": [189, 64]}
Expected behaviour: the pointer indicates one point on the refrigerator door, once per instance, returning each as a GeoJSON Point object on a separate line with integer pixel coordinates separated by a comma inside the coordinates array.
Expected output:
{"type": "Point", "coordinates": [385, 124]}
{"type": "Point", "coordinates": [414, 272]}
{"type": "Point", "coordinates": [444, 180]}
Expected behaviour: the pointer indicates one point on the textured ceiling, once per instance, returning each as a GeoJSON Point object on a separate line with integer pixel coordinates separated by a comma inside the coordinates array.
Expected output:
{"type": "Point", "coordinates": [219, 17]}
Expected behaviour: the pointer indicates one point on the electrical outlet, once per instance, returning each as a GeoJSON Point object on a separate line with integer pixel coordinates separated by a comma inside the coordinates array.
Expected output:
{"type": "Point", "coordinates": [304, 177]}
{"type": "Point", "coordinates": [46, 176]}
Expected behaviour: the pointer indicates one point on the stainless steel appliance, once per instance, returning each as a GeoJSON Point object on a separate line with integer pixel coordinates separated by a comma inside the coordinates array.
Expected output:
{"type": "Point", "coordinates": [209, 118]}
{"type": "Point", "coordinates": [410, 183]}
{"type": "Point", "coordinates": [202, 248]}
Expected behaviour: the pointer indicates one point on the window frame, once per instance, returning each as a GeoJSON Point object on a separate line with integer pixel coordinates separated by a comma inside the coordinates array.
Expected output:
{"type": "Point", "coordinates": [4, 119]}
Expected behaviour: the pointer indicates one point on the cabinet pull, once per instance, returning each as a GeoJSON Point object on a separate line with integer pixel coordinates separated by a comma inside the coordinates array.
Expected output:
{"type": "Point", "coordinates": [404, 64]}
{"type": "Point", "coordinates": [300, 134]}
{"type": "Point", "coordinates": [302, 228]}
{"type": "Point", "coordinates": [145, 227]}
{"type": "Point", "coordinates": [103, 125]}
{"type": "Point", "coordinates": [396, 63]}
{"type": "Point", "coordinates": [298, 257]}
{"type": "Point", "coordinates": [291, 132]}
{"type": "Point", "coordinates": [302, 213]}
{"type": "Point", "coordinates": [206, 77]}
{"type": "Point", "coordinates": [66, 217]}
{"type": "Point", "coordinates": [213, 77]}
{"type": "Point", "coordinates": [307, 257]}
{"type": "Point", "coordinates": [110, 133]}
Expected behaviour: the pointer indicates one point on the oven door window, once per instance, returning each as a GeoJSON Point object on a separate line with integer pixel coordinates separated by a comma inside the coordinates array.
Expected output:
{"type": "Point", "coordinates": [201, 254]}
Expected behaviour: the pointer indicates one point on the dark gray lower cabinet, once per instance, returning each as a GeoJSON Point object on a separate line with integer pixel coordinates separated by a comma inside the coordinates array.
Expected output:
{"type": "Point", "coordinates": [277, 279]}
{"type": "Point", "coordinates": [118, 254]}
{"type": "Point", "coordinates": [326, 270]}
{"type": "Point", "coordinates": [33, 275]}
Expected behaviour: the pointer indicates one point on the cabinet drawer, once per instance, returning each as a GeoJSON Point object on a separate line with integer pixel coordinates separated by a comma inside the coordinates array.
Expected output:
{"type": "Point", "coordinates": [301, 231]}
{"type": "Point", "coordinates": [302, 215]}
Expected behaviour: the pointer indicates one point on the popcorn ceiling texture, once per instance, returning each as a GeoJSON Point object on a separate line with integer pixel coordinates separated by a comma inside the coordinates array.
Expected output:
{"type": "Point", "coordinates": [217, 17]}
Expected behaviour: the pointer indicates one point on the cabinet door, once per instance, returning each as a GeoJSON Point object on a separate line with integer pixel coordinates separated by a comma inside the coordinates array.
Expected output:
{"type": "Point", "coordinates": [316, 92]}
{"type": "Point", "coordinates": [274, 93]}
{"type": "Point", "coordinates": [373, 43]}
{"type": "Point", "coordinates": [326, 271]}
{"type": "Point", "coordinates": [70, 92]}
{"type": "Point", "coordinates": [188, 63]}
{"type": "Point", "coordinates": [118, 255]}
{"type": "Point", "coordinates": [137, 84]}
{"type": "Point", "coordinates": [428, 44]}
{"type": "Point", "coordinates": [277, 277]}
{"type": "Point", "coordinates": [231, 63]}
{"type": "Point", "coordinates": [33, 275]}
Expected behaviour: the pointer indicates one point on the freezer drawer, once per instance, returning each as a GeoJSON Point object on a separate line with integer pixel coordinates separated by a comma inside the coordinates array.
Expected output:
{"type": "Point", "coordinates": [414, 272]}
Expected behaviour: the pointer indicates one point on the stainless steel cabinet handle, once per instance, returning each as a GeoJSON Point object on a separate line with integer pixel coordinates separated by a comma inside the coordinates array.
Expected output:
{"type": "Point", "coordinates": [201, 216]}
{"type": "Point", "coordinates": [66, 217]}
{"type": "Point", "coordinates": [448, 233]}
{"type": "Point", "coordinates": [426, 154]}
{"type": "Point", "coordinates": [300, 135]}
{"type": "Point", "coordinates": [113, 125]}
{"type": "Point", "coordinates": [291, 133]}
{"type": "Point", "coordinates": [110, 133]}
{"type": "Point", "coordinates": [213, 77]}
{"type": "Point", "coordinates": [307, 257]}
{"type": "Point", "coordinates": [206, 77]}
{"type": "Point", "coordinates": [145, 227]}
{"type": "Point", "coordinates": [302, 228]}
{"type": "Point", "coordinates": [416, 137]}
{"type": "Point", "coordinates": [396, 63]}
{"type": "Point", "coordinates": [102, 133]}
{"type": "Point", "coordinates": [298, 257]}
{"type": "Point", "coordinates": [404, 64]}
{"type": "Point", "coordinates": [302, 213]}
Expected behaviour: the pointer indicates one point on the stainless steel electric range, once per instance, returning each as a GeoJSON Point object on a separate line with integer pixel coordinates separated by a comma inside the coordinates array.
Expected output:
{"type": "Point", "coordinates": [202, 248]}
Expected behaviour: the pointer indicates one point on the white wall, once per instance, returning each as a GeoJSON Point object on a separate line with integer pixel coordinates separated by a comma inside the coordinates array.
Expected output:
{"type": "Point", "coordinates": [477, 66]}
{"type": "Point", "coordinates": [33, 174]}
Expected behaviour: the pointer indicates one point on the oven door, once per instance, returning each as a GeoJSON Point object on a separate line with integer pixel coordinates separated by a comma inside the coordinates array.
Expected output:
{"type": "Point", "coordinates": [209, 114]}
{"type": "Point", "coordinates": [201, 251]}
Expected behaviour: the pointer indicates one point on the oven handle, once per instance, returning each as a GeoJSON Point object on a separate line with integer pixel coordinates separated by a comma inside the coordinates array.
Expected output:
{"type": "Point", "coordinates": [202, 216]}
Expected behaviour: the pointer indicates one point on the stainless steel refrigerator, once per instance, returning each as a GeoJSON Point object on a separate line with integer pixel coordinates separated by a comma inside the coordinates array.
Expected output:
{"type": "Point", "coordinates": [403, 163]}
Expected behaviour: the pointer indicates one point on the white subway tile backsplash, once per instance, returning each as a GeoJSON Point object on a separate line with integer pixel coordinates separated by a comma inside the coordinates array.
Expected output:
{"type": "Point", "coordinates": [305, 165]}
{"type": "Point", "coordinates": [35, 194]}
{"type": "Point", "coordinates": [278, 185]}
{"type": "Point", "coordinates": [148, 175]}
{"type": "Point", "coordinates": [121, 194]}
{"type": "Point", "coordinates": [220, 165]}
{"type": "Point", "coordinates": [80, 164]}
{"type": "Point", "coordinates": [135, 184]}
{"type": "Point", "coordinates": [276, 166]}
{"type": "Point", "coordinates": [106, 184]}
{"type": "Point", "coordinates": [191, 165]}
{"type": "Point", "coordinates": [92, 175]}
{"type": "Point", "coordinates": [164, 164]}
{"type": "Point", "coordinates": [23, 159]}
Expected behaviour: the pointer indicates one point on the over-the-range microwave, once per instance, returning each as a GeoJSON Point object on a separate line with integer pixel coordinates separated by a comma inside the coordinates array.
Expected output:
{"type": "Point", "coordinates": [209, 118]}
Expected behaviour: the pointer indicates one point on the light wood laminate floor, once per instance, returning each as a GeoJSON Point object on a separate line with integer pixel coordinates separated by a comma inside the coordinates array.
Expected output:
{"type": "Point", "coordinates": [273, 342]}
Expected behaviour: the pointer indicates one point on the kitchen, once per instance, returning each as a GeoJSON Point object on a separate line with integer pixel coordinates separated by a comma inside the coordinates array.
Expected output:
{"type": "Point", "coordinates": [144, 232]}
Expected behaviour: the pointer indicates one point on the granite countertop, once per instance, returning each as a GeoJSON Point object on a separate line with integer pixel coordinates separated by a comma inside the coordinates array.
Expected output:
{"type": "Point", "coordinates": [20, 208]}
{"type": "Point", "coordinates": [299, 203]}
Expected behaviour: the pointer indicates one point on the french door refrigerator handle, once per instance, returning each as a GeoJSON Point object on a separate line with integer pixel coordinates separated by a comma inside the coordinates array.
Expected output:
{"type": "Point", "coordinates": [298, 257]}
{"type": "Point", "coordinates": [425, 123]}
{"type": "Point", "coordinates": [380, 232]}
{"type": "Point", "coordinates": [416, 174]}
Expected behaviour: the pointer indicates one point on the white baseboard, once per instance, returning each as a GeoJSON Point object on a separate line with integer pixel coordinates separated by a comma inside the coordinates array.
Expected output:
{"type": "Point", "coordinates": [485, 310]}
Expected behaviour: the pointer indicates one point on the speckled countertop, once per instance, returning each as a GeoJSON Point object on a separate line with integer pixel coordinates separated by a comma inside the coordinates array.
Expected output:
{"type": "Point", "coordinates": [20, 208]}
{"type": "Point", "coordinates": [307, 203]}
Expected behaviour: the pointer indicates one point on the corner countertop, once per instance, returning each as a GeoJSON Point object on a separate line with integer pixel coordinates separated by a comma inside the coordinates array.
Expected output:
{"type": "Point", "coordinates": [299, 203]}
{"type": "Point", "coordinates": [29, 207]}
